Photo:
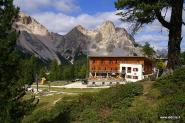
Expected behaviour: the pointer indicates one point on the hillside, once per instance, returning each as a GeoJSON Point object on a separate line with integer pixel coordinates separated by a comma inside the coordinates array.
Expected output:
{"type": "Point", "coordinates": [35, 39]}
{"type": "Point", "coordinates": [161, 101]}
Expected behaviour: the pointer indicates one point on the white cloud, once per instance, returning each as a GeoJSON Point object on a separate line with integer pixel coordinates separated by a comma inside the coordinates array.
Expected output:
{"type": "Point", "coordinates": [62, 23]}
{"type": "Point", "coordinates": [154, 27]}
{"type": "Point", "coordinates": [158, 41]}
{"type": "Point", "coordinates": [32, 6]}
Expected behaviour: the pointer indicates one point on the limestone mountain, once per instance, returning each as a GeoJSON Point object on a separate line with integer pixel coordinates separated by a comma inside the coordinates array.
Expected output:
{"type": "Point", "coordinates": [35, 39]}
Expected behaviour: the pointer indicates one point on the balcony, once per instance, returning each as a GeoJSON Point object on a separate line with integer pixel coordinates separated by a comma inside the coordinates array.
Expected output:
{"type": "Point", "coordinates": [104, 71]}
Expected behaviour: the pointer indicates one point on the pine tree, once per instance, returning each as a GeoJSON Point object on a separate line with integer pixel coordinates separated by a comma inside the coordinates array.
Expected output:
{"type": "Point", "coordinates": [55, 71]}
{"type": "Point", "coordinates": [12, 107]}
{"type": "Point", "coordinates": [183, 58]}
{"type": "Point", "coordinates": [146, 11]}
{"type": "Point", "coordinates": [148, 50]}
{"type": "Point", "coordinates": [28, 68]}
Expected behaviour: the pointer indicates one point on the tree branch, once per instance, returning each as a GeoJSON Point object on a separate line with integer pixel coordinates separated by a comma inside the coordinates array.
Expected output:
{"type": "Point", "coordinates": [161, 19]}
{"type": "Point", "coordinates": [128, 12]}
{"type": "Point", "coordinates": [183, 23]}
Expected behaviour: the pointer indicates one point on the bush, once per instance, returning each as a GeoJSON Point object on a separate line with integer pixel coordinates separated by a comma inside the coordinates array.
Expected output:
{"type": "Point", "coordinates": [172, 83]}
{"type": "Point", "coordinates": [139, 116]}
{"type": "Point", "coordinates": [172, 101]}
{"type": "Point", "coordinates": [154, 94]}
{"type": "Point", "coordinates": [173, 106]}
{"type": "Point", "coordinates": [117, 95]}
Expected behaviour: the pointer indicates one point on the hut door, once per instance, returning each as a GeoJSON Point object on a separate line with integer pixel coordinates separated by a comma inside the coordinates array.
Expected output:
{"type": "Point", "coordinates": [123, 72]}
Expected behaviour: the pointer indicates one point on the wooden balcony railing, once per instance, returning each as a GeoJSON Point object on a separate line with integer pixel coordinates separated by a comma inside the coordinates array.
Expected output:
{"type": "Point", "coordinates": [104, 71]}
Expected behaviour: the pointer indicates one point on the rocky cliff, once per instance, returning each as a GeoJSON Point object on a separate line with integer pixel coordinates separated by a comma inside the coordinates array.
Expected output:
{"type": "Point", "coordinates": [35, 39]}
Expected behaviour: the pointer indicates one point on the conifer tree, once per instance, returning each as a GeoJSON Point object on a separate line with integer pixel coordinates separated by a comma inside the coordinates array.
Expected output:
{"type": "Point", "coordinates": [146, 11]}
{"type": "Point", "coordinates": [12, 106]}
{"type": "Point", "coordinates": [148, 50]}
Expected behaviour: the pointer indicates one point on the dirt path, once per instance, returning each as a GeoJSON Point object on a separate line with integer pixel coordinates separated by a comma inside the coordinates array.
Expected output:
{"type": "Point", "coordinates": [147, 85]}
{"type": "Point", "coordinates": [143, 100]}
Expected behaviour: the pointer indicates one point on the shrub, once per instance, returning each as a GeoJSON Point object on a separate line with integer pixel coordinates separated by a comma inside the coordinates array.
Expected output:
{"type": "Point", "coordinates": [153, 94]}
{"type": "Point", "coordinates": [173, 106]}
{"type": "Point", "coordinates": [142, 116]}
{"type": "Point", "coordinates": [172, 102]}
{"type": "Point", "coordinates": [172, 83]}
{"type": "Point", "coordinates": [119, 94]}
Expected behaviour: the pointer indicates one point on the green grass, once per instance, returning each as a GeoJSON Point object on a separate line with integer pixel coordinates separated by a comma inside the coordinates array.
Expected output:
{"type": "Point", "coordinates": [46, 103]}
{"type": "Point", "coordinates": [57, 83]}
{"type": "Point", "coordinates": [71, 90]}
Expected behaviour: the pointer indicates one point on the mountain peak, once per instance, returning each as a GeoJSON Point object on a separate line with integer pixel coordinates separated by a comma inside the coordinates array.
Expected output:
{"type": "Point", "coordinates": [77, 29]}
{"type": "Point", "coordinates": [80, 28]}
{"type": "Point", "coordinates": [107, 24]}
{"type": "Point", "coordinates": [26, 23]}
{"type": "Point", "coordinates": [24, 18]}
{"type": "Point", "coordinates": [21, 14]}
{"type": "Point", "coordinates": [108, 27]}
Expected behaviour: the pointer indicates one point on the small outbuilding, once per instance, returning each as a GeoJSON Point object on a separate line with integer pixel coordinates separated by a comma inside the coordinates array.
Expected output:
{"type": "Point", "coordinates": [43, 81]}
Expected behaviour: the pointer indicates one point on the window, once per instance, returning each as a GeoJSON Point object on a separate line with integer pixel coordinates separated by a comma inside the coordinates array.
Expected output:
{"type": "Point", "coordinates": [116, 61]}
{"type": "Point", "coordinates": [103, 83]}
{"type": "Point", "coordinates": [105, 68]}
{"type": "Point", "coordinates": [135, 69]}
{"type": "Point", "coordinates": [110, 83]}
{"type": "Point", "coordinates": [93, 83]}
{"type": "Point", "coordinates": [135, 77]}
{"type": "Point", "coordinates": [129, 70]}
{"type": "Point", "coordinates": [123, 69]}
{"type": "Point", "coordinates": [129, 76]}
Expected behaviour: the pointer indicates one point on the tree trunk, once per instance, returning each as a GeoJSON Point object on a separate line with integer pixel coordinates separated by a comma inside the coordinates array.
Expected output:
{"type": "Point", "coordinates": [175, 36]}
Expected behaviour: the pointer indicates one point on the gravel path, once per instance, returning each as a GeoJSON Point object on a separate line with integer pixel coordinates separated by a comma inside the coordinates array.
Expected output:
{"type": "Point", "coordinates": [73, 85]}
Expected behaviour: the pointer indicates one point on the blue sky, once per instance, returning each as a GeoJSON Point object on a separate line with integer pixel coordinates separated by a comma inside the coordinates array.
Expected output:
{"type": "Point", "coordinates": [61, 16]}
{"type": "Point", "coordinates": [94, 6]}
